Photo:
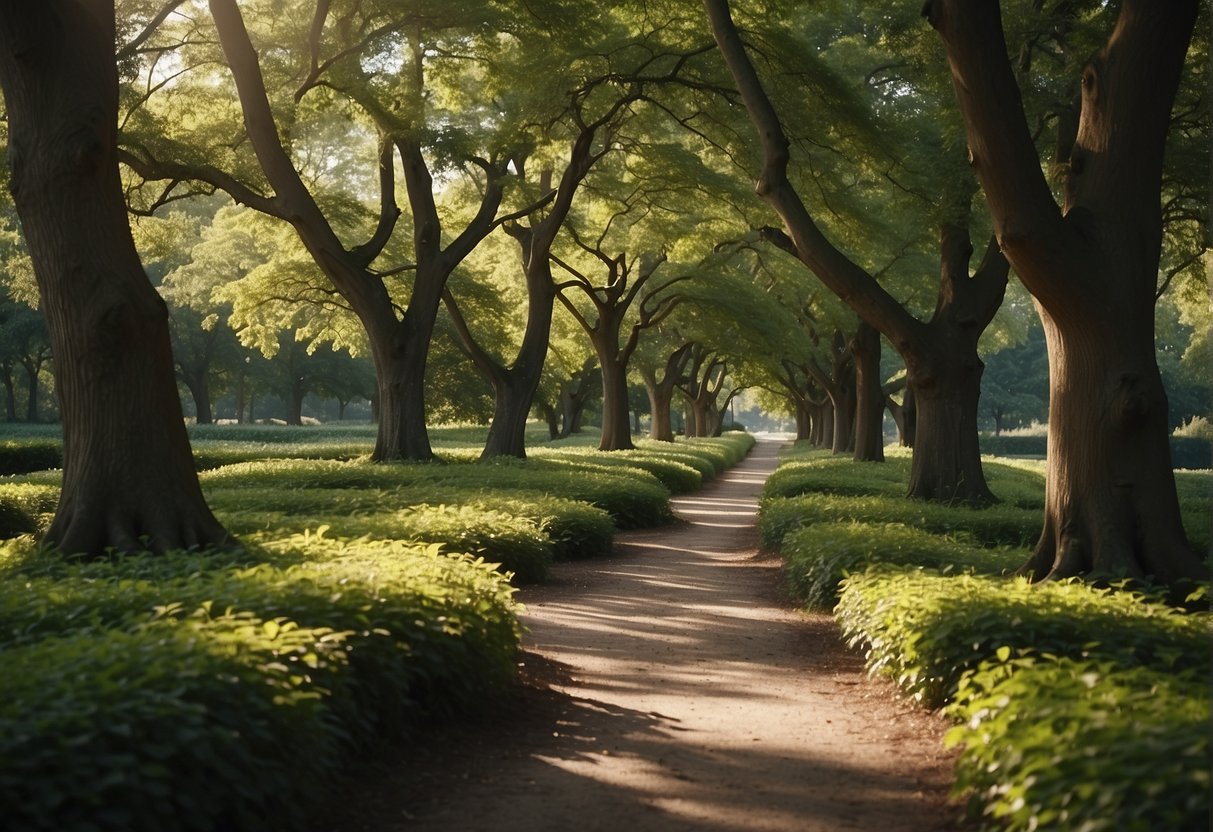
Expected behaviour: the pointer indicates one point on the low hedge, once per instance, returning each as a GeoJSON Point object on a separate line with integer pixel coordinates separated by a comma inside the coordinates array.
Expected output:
{"type": "Point", "coordinates": [818, 557]}
{"type": "Point", "coordinates": [925, 629]}
{"type": "Point", "coordinates": [998, 525]}
{"type": "Point", "coordinates": [574, 529]}
{"type": "Point", "coordinates": [1060, 743]}
{"type": "Point", "coordinates": [33, 453]}
{"type": "Point", "coordinates": [633, 498]}
{"type": "Point", "coordinates": [515, 544]}
{"type": "Point", "coordinates": [204, 691]}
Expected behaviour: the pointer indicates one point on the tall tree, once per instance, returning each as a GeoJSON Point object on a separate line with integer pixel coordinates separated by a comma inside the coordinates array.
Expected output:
{"type": "Point", "coordinates": [940, 354]}
{"type": "Point", "coordinates": [375, 58]}
{"type": "Point", "coordinates": [1092, 264]}
{"type": "Point", "coordinates": [128, 474]}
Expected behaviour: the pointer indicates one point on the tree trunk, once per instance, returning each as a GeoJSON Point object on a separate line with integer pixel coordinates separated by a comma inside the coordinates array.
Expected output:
{"type": "Point", "coordinates": [400, 356]}
{"type": "Point", "coordinates": [1111, 505]}
{"type": "Point", "coordinates": [199, 387]}
{"type": "Point", "coordinates": [825, 417]}
{"type": "Point", "coordinates": [946, 426]}
{"type": "Point", "coordinates": [616, 427]}
{"type": "Point", "coordinates": [909, 418]}
{"type": "Point", "coordinates": [661, 400]}
{"type": "Point", "coordinates": [514, 387]}
{"type": "Point", "coordinates": [1092, 266]}
{"type": "Point", "coordinates": [294, 415]}
{"type": "Point", "coordinates": [804, 421]}
{"type": "Point", "coordinates": [128, 474]}
{"type": "Point", "coordinates": [869, 410]}
{"type": "Point", "coordinates": [551, 417]}
{"type": "Point", "coordinates": [31, 386]}
{"type": "Point", "coordinates": [10, 394]}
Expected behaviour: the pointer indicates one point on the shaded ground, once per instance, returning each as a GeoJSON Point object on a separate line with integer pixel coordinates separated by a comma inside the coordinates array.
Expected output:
{"type": "Point", "coordinates": [671, 688]}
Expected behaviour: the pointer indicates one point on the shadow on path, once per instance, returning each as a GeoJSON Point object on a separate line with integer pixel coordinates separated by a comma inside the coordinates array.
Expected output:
{"type": "Point", "coordinates": [672, 688]}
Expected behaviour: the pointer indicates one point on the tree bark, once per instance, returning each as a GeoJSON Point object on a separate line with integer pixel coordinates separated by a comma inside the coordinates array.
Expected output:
{"type": "Point", "coordinates": [869, 408]}
{"type": "Point", "coordinates": [1092, 267]}
{"type": "Point", "coordinates": [128, 474]}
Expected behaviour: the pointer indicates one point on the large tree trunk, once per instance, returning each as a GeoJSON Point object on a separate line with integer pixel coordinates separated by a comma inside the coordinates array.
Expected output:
{"type": "Point", "coordinates": [946, 464]}
{"type": "Point", "coordinates": [400, 355]}
{"type": "Point", "coordinates": [128, 474]}
{"type": "Point", "coordinates": [869, 408]}
{"type": "Point", "coordinates": [1092, 267]}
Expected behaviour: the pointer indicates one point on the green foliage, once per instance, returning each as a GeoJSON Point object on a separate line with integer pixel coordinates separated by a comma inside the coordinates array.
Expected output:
{"type": "Point", "coordinates": [1054, 743]}
{"type": "Point", "coordinates": [25, 508]}
{"type": "Point", "coordinates": [819, 556]}
{"type": "Point", "coordinates": [196, 691]}
{"type": "Point", "coordinates": [634, 498]}
{"type": "Point", "coordinates": [997, 525]}
{"type": "Point", "coordinates": [34, 453]}
{"type": "Point", "coordinates": [925, 629]}
{"type": "Point", "coordinates": [517, 544]}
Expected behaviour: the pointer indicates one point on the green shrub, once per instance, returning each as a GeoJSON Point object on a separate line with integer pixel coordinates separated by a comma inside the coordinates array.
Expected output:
{"type": "Point", "coordinates": [633, 498]}
{"type": "Point", "coordinates": [34, 453]}
{"type": "Point", "coordinates": [517, 544]}
{"type": "Point", "coordinates": [209, 690]}
{"type": "Point", "coordinates": [1063, 744]}
{"type": "Point", "coordinates": [674, 474]}
{"type": "Point", "coordinates": [575, 529]}
{"type": "Point", "coordinates": [198, 724]}
{"type": "Point", "coordinates": [839, 475]}
{"type": "Point", "coordinates": [998, 525]}
{"type": "Point", "coordinates": [925, 630]}
{"type": "Point", "coordinates": [26, 508]}
{"type": "Point", "coordinates": [817, 557]}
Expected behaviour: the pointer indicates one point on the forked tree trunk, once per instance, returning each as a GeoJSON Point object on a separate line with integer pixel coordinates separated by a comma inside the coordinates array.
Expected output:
{"type": "Point", "coordinates": [128, 474]}
{"type": "Point", "coordinates": [661, 392]}
{"type": "Point", "coordinates": [1092, 267]}
{"type": "Point", "coordinates": [869, 397]}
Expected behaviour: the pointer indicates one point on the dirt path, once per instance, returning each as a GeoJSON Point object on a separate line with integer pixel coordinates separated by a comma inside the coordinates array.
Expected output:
{"type": "Point", "coordinates": [672, 688]}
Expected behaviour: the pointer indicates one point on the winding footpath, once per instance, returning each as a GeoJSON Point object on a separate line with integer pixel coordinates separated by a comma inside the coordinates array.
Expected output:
{"type": "Point", "coordinates": [672, 687]}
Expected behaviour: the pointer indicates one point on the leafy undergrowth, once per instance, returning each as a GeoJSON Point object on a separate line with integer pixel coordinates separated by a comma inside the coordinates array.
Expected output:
{"type": "Point", "coordinates": [203, 691]}
{"type": "Point", "coordinates": [206, 691]}
{"type": "Point", "coordinates": [1076, 707]}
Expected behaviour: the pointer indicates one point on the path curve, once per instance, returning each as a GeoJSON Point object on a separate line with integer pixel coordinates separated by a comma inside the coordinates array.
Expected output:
{"type": "Point", "coordinates": [671, 688]}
